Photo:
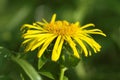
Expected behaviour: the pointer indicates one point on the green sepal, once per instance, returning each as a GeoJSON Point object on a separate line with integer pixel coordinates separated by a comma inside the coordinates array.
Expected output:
{"type": "Point", "coordinates": [67, 58]}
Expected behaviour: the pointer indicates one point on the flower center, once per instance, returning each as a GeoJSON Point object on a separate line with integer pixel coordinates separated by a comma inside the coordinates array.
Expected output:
{"type": "Point", "coordinates": [62, 28]}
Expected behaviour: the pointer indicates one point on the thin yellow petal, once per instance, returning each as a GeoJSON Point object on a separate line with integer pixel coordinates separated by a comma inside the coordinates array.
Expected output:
{"type": "Point", "coordinates": [45, 45]}
{"type": "Point", "coordinates": [42, 36]}
{"type": "Point", "coordinates": [30, 45]}
{"type": "Point", "coordinates": [38, 44]}
{"type": "Point", "coordinates": [100, 33]}
{"type": "Point", "coordinates": [70, 40]}
{"type": "Point", "coordinates": [45, 21]}
{"type": "Point", "coordinates": [87, 25]}
{"type": "Point", "coordinates": [41, 40]}
{"type": "Point", "coordinates": [29, 26]}
{"type": "Point", "coordinates": [55, 54]}
{"type": "Point", "coordinates": [72, 45]}
{"type": "Point", "coordinates": [53, 18]}
{"type": "Point", "coordinates": [33, 31]}
{"type": "Point", "coordinates": [56, 46]}
{"type": "Point", "coordinates": [24, 42]}
{"type": "Point", "coordinates": [94, 30]}
{"type": "Point", "coordinates": [93, 44]}
{"type": "Point", "coordinates": [39, 36]}
{"type": "Point", "coordinates": [41, 23]}
{"type": "Point", "coordinates": [82, 46]}
{"type": "Point", "coordinates": [30, 36]}
{"type": "Point", "coordinates": [39, 26]}
{"type": "Point", "coordinates": [60, 46]}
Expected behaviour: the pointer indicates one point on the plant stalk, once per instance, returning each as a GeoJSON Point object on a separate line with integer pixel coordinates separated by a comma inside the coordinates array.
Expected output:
{"type": "Point", "coordinates": [62, 71]}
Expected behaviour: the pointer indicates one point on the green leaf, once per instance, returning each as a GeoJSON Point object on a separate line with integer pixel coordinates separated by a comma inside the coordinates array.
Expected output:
{"type": "Point", "coordinates": [67, 58]}
{"type": "Point", "coordinates": [4, 60]}
{"type": "Point", "coordinates": [47, 74]}
{"type": "Point", "coordinates": [30, 71]}
{"type": "Point", "coordinates": [50, 70]}
{"type": "Point", "coordinates": [41, 62]}
{"type": "Point", "coordinates": [65, 78]}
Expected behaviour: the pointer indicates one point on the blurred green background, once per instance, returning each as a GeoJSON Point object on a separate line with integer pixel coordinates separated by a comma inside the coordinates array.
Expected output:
{"type": "Point", "coordinates": [105, 14]}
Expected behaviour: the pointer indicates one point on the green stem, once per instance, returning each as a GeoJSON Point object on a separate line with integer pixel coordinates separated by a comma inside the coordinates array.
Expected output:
{"type": "Point", "coordinates": [62, 71]}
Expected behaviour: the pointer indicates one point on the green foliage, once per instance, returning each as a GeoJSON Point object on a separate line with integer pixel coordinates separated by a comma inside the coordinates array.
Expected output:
{"type": "Point", "coordinates": [41, 62]}
{"type": "Point", "coordinates": [67, 58]}
{"type": "Point", "coordinates": [29, 70]}
{"type": "Point", "coordinates": [50, 70]}
{"type": "Point", "coordinates": [4, 60]}
{"type": "Point", "coordinates": [7, 59]}
{"type": "Point", "coordinates": [7, 67]}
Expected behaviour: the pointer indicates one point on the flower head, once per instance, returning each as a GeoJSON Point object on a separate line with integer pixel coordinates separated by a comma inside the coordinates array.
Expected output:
{"type": "Point", "coordinates": [42, 34]}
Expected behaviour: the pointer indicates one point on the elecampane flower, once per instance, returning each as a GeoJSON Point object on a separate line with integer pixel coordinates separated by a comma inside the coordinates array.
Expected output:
{"type": "Point", "coordinates": [41, 34]}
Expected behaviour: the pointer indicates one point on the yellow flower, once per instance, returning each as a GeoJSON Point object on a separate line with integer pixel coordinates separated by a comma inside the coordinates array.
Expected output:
{"type": "Point", "coordinates": [41, 34]}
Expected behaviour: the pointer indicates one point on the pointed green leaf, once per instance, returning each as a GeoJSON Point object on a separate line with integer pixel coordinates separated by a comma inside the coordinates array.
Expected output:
{"type": "Point", "coordinates": [30, 71]}
{"type": "Point", "coordinates": [50, 70]}
{"type": "Point", "coordinates": [47, 74]}
{"type": "Point", "coordinates": [4, 60]}
{"type": "Point", "coordinates": [41, 62]}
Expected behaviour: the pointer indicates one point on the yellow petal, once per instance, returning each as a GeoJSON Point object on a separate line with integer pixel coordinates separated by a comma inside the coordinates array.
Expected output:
{"type": "Point", "coordinates": [53, 18]}
{"type": "Point", "coordinates": [100, 33]}
{"type": "Point", "coordinates": [45, 21]}
{"type": "Point", "coordinates": [82, 46]}
{"type": "Point", "coordinates": [36, 31]}
{"type": "Point", "coordinates": [92, 43]}
{"type": "Point", "coordinates": [41, 23]}
{"type": "Point", "coordinates": [87, 25]}
{"type": "Point", "coordinates": [24, 42]}
{"type": "Point", "coordinates": [30, 45]}
{"type": "Point", "coordinates": [60, 46]}
{"type": "Point", "coordinates": [38, 44]}
{"type": "Point", "coordinates": [77, 23]}
{"type": "Point", "coordinates": [45, 45]}
{"type": "Point", "coordinates": [29, 26]}
{"type": "Point", "coordinates": [31, 36]}
{"type": "Point", "coordinates": [41, 40]}
{"type": "Point", "coordinates": [56, 51]}
{"type": "Point", "coordinates": [72, 45]}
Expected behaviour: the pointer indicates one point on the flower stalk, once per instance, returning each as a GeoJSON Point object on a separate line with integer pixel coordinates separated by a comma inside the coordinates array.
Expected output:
{"type": "Point", "coordinates": [62, 72]}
